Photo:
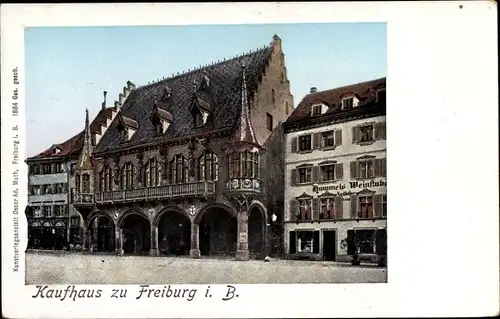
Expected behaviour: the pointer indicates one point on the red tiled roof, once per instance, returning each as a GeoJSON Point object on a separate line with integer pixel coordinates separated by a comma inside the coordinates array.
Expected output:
{"type": "Point", "coordinates": [366, 92]}
{"type": "Point", "coordinates": [74, 145]}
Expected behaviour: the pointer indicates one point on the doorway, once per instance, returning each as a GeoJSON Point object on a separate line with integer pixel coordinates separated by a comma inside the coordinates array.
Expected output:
{"type": "Point", "coordinates": [329, 245]}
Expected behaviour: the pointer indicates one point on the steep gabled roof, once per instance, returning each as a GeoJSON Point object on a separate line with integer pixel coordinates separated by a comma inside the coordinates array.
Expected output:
{"type": "Point", "coordinates": [222, 97]}
{"type": "Point", "coordinates": [74, 145]}
{"type": "Point", "coordinates": [366, 92]}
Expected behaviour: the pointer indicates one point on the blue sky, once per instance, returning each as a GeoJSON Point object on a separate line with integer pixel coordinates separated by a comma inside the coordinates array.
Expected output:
{"type": "Point", "coordinates": [67, 68]}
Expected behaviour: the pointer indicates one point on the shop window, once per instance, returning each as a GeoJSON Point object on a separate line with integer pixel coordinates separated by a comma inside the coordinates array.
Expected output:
{"type": "Point", "coordinates": [365, 239]}
{"type": "Point", "coordinates": [307, 241]}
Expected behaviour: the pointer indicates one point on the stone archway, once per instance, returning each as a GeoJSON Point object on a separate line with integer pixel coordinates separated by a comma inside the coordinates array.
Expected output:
{"type": "Point", "coordinates": [174, 231]}
{"type": "Point", "coordinates": [257, 228]}
{"type": "Point", "coordinates": [218, 227]}
{"type": "Point", "coordinates": [102, 233]}
{"type": "Point", "coordinates": [136, 233]}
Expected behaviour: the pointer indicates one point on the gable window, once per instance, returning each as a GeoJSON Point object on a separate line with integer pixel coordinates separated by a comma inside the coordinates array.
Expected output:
{"type": "Point", "coordinates": [347, 103]}
{"type": "Point", "coordinates": [316, 110]}
{"type": "Point", "coordinates": [151, 177]}
{"type": "Point", "coordinates": [208, 167]}
{"type": "Point", "coordinates": [327, 208]}
{"type": "Point", "coordinates": [365, 207]}
{"type": "Point", "coordinates": [366, 133]}
{"type": "Point", "coordinates": [305, 143]}
{"type": "Point", "coordinates": [305, 174]}
{"type": "Point", "coordinates": [273, 96]}
{"type": "Point", "coordinates": [269, 122]}
{"type": "Point", "coordinates": [304, 212]}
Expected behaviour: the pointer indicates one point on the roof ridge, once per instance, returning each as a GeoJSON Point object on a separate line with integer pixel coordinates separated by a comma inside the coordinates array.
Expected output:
{"type": "Point", "coordinates": [348, 85]}
{"type": "Point", "coordinates": [201, 67]}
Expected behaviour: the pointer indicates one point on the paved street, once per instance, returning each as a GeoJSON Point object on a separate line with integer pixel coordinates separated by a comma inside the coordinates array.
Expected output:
{"type": "Point", "coordinates": [69, 268]}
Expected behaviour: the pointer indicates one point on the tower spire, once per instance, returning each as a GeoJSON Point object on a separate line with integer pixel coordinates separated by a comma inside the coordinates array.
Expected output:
{"type": "Point", "coordinates": [84, 159]}
{"type": "Point", "coordinates": [244, 133]}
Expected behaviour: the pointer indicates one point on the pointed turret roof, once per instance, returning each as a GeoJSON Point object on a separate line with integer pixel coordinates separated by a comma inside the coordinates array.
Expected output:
{"type": "Point", "coordinates": [84, 160]}
{"type": "Point", "coordinates": [244, 135]}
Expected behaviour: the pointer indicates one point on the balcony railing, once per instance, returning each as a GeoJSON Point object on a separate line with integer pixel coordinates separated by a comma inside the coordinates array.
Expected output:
{"type": "Point", "coordinates": [83, 199]}
{"type": "Point", "coordinates": [158, 192]}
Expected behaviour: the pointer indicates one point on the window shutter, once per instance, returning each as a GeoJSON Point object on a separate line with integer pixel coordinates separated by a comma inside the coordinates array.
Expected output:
{"type": "Point", "coordinates": [320, 174]}
{"type": "Point", "coordinates": [65, 188]}
{"type": "Point", "coordinates": [383, 167]}
{"type": "Point", "coordinates": [354, 170]}
{"type": "Point", "coordinates": [354, 206]}
{"type": "Point", "coordinates": [294, 145]}
{"type": "Point", "coordinates": [350, 242]}
{"type": "Point", "coordinates": [315, 209]}
{"type": "Point", "coordinates": [338, 137]}
{"type": "Point", "coordinates": [355, 135]}
{"type": "Point", "coordinates": [376, 167]}
{"type": "Point", "coordinates": [377, 205]}
{"type": "Point", "coordinates": [315, 174]}
{"type": "Point", "coordinates": [339, 207]}
{"type": "Point", "coordinates": [339, 171]}
{"type": "Point", "coordinates": [316, 242]}
{"type": "Point", "coordinates": [316, 140]}
{"type": "Point", "coordinates": [380, 129]}
{"type": "Point", "coordinates": [292, 242]}
{"type": "Point", "coordinates": [293, 179]}
{"type": "Point", "coordinates": [381, 242]}
{"type": "Point", "coordinates": [293, 209]}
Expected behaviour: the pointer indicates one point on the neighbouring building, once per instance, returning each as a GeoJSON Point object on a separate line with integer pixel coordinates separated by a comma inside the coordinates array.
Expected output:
{"type": "Point", "coordinates": [53, 221]}
{"type": "Point", "coordinates": [192, 164]}
{"type": "Point", "coordinates": [336, 185]}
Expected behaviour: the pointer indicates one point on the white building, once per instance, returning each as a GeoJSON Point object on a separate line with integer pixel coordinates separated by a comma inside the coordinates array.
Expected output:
{"type": "Point", "coordinates": [335, 192]}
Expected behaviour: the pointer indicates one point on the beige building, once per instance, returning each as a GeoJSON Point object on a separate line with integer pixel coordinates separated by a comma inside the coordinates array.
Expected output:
{"type": "Point", "coordinates": [335, 178]}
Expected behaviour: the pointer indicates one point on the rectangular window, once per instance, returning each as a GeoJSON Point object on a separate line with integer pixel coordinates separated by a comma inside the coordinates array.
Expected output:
{"type": "Point", "coordinates": [59, 210]}
{"type": "Point", "coordinates": [305, 143]}
{"type": "Point", "coordinates": [49, 211]}
{"type": "Point", "coordinates": [327, 208]}
{"type": "Point", "coordinates": [269, 122]}
{"type": "Point", "coordinates": [38, 211]}
{"type": "Point", "coordinates": [316, 110]}
{"type": "Point", "coordinates": [365, 240]}
{"type": "Point", "coordinates": [366, 133]}
{"type": "Point", "coordinates": [365, 207]}
{"type": "Point", "coordinates": [72, 168]}
{"type": "Point", "coordinates": [347, 103]}
{"type": "Point", "coordinates": [273, 96]}
{"type": "Point", "coordinates": [366, 169]}
{"type": "Point", "coordinates": [328, 172]}
{"type": "Point", "coordinates": [305, 209]}
{"type": "Point", "coordinates": [75, 221]}
{"type": "Point", "coordinates": [305, 241]}
{"type": "Point", "coordinates": [305, 174]}
{"type": "Point", "coordinates": [86, 183]}
{"type": "Point", "coordinates": [328, 139]}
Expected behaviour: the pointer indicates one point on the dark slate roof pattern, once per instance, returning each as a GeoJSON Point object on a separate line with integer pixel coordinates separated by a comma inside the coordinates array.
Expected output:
{"type": "Point", "coordinates": [223, 94]}
{"type": "Point", "coordinates": [366, 92]}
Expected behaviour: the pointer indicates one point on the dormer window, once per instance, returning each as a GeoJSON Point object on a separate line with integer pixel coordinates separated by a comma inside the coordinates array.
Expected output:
{"type": "Point", "coordinates": [198, 119]}
{"type": "Point", "coordinates": [316, 110]}
{"type": "Point", "coordinates": [56, 150]}
{"type": "Point", "coordinates": [161, 119]}
{"type": "Point", "coordinates": [200, 111]}
{"type": "Point", "coordinates": [127, 127]}
{"type": "Point", "coordinates": [205, 82]}
{"type": "Point", "coordinates": [348, 103]}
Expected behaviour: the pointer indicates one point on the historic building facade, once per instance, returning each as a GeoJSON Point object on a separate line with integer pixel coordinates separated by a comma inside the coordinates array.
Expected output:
{"type": "Point", "coordinates": [192, 164]}
{"type": "Point", "coordinates": [336, 185]}
{"type": "Point", "coordinates": [53, 221]}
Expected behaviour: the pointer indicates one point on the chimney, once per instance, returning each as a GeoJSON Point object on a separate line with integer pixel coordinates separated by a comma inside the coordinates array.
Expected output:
{"type": "Point", "coordinates": [104, 102]}
{"type": "Point", "coordinates": [313, 90]}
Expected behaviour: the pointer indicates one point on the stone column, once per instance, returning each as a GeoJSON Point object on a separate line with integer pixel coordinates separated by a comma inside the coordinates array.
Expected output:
{"type": "Point", "coordinates": [87, 240]}
{"type": "Point", "coordinates": [153, 251]}
{"type": "Point", "coordinates": [242, 239]}
{"type": "Point", "coordinates": [119, 240]}
{"type": "Point", "coordinates": [195, 237]}
{"type": "Point", "coordinates": [95, 238]}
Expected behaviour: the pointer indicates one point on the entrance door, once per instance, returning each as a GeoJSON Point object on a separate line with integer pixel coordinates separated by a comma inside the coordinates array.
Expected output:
{"type": "Point", "coordinates": [329, 245]}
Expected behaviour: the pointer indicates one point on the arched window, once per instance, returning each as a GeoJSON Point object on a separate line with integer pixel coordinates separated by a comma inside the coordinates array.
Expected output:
{"type": "Point", "coordinates": [86, 183]}
{"type": "Point", "coordinates": [208, 165]}
{"type": "Point", "coordinates": [77, 183]}
{"type": "Point", "coordinates": [151, 177]}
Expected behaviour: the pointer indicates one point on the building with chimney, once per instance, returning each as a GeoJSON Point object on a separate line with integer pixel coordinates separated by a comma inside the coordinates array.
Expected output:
{"type": "Point", "coordinates": [191, 164]}
{"type": "Point", "coordinates": [53, 221]}
{"type": "Point", "coordinates": [336, 185]}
